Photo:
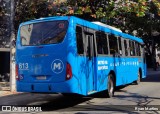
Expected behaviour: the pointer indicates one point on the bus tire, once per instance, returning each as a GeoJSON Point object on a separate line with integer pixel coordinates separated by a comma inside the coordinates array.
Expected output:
{"type": "Point", "coordinates": [139, 78]}
{"type": "Point", "coordinates": [111, 87]}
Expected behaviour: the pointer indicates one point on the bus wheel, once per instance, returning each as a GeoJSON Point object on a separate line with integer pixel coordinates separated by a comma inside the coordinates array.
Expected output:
{"type": "Point", "coordinates": [139, 78]}
{"type": "Point", "coordinates": [110, 91]}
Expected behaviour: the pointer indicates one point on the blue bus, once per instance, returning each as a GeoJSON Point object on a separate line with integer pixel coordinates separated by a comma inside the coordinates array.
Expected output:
{"type": "Point", "coordinates": [66, 54]}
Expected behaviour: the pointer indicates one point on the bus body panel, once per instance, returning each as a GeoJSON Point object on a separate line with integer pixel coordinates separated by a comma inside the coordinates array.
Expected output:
{"type": "Point", "coordinates": [121, 66]}
{"type": "Point", "coordinates": [41, 61]}
{"type": "Point", "coordinates": [46, 64]}
{"type": "Point", "coordinates": [60, 87]}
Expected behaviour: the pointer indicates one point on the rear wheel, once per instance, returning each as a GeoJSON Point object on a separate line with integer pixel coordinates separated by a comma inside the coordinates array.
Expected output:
{"type": "Point", "coordinates": [110, 91]}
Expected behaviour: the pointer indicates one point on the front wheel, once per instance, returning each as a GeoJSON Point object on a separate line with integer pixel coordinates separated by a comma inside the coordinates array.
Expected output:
{"type": "Point", "coordinates": [110, 91]}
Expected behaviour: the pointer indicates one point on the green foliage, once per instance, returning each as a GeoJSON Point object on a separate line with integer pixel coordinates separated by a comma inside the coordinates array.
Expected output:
{"type": "Point", "coordinates": [127, 15]}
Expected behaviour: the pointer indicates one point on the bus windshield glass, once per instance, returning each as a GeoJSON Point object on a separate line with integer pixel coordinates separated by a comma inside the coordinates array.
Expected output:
{"type": "Point", "coordinates": [42, 33]}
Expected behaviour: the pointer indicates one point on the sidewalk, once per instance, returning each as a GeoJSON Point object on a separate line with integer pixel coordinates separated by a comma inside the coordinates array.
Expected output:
{"type": "Point", "coordinates": [5, 89]}
{"type": "Point", "coordinates": [8, 92]}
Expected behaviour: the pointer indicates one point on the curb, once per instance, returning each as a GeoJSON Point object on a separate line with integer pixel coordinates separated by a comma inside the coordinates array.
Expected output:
{"type": "Point", "coordinates": [6, 93]}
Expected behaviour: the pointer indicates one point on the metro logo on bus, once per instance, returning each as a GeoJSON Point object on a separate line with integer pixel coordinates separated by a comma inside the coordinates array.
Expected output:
{"type": "Point", "coordinates": [57, 66]}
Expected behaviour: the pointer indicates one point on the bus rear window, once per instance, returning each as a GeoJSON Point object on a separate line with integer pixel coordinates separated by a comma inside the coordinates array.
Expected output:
{"type": "Point", "coordinates": [43, 33]}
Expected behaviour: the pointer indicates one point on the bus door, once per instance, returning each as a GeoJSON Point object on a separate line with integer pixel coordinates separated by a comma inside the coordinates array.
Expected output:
{"type": "Point", "coordinates": [90, 52]}
{"type": "Point", "coordinates": [144, 63]}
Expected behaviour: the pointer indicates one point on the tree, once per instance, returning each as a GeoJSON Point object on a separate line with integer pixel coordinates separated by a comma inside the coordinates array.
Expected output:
{"type": "Point", "coordinates": [128, 15]}
{"type": "Point", "coordinates": [29, 9]}
{"type": "Point", "coordinates": [4, 27]}
{"type": "Point", "coordinates": [137, 17]}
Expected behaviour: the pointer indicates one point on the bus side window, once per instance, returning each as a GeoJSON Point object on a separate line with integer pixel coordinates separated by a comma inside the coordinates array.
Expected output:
{"type": "Point", "coordinates": [101, 39]}
{"type": "Point", "coordinates": [134, 49]}
{"type": "Point", "coordinates": [120, 45]}
{"type": "Point", "coordinates": [126, 48]}
{"type": "Point", "coordinates": [138, 52]}
{"type": "Point", "coordinates": [131, 48]}
{"type": "Point", "coordinates": [79, 36]}
{"type": "Point", "coordinates": [113, 46]}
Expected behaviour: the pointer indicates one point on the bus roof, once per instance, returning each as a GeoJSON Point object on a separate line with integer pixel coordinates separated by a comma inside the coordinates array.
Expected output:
{"type": "Point", "coordinates": [108, 26]}
{"type": "Point", "coordinates": [94, 25]}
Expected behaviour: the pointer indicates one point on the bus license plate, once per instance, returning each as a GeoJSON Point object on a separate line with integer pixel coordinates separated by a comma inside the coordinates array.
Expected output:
{"type": "Point", "coordinates": [41, 78]}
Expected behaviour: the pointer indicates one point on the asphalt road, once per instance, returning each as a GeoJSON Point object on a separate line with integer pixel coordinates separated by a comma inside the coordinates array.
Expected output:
{"type": "Point", "coordinates": [128, 98]}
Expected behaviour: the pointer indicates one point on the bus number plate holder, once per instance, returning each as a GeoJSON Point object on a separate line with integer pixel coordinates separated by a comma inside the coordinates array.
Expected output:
{"type": "Point", "coordinates": [41, 78]}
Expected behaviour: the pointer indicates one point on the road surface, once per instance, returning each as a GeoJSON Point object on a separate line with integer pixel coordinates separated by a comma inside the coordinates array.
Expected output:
{"type": "Point", "coordinates": [128, 98]}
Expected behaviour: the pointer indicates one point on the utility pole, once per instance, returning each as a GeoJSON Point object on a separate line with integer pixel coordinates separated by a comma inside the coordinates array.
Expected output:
{"type": "Point", "coordinates": [12, 48]}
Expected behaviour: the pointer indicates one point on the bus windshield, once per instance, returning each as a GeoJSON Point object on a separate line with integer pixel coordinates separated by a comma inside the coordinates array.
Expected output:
{"type": "Point", "coordinates": [42, 33]}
